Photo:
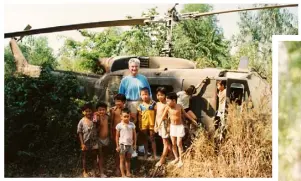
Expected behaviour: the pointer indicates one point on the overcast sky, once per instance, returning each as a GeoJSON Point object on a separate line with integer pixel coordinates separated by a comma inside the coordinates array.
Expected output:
{"type": "Point", "coordinates": [17, 16]}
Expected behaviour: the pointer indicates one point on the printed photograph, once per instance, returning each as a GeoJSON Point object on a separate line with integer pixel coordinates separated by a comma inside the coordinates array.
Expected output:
{"type": "Point", "coordinates": [289, 57]}
{"type": "Point", "coordinates": [141, 90]}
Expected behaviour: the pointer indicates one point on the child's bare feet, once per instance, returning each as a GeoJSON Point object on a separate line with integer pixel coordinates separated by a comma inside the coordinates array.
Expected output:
{"type": "Point", "coordinates": [103, 175]}
{"type": "Point", "coordinates": [85, 174]}
{"type": "Point", "coordinates": [145, 157]}
{"type": "Point", "coordinates": [180, 164]}
{"type": "Point", "coordinates": [117, 173]}
{"type": "Point", "coordinates": [128, 175]}
{"type": "Point", "coordinates": [174, 161]}
{"type": "Point", "coordinates": [159, 164]}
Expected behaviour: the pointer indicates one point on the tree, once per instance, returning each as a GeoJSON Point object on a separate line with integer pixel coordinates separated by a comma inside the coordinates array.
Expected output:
{"type": "Point", "coordinates": [255, 37]}
{"type": "Point", "coordinates": [200, 40]}
{"type": "Point", "coordinates": [83, 56]}
{"type": "Point", "coordinates": [144, 40]}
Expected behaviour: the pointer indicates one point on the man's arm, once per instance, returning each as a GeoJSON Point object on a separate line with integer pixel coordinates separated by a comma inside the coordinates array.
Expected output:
{"type": "Point", "coordinates": [148, 86]}
{"type": "Point", "coordinates": [122, 87]}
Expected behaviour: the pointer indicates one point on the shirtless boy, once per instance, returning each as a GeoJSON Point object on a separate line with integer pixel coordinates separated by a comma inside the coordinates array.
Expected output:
{"type": "Point", "coordinates": [177, 132]}
{"type": "Point", "coordinates": [103, 133]}
{"type": "Point", "coordinates": [115, 113]}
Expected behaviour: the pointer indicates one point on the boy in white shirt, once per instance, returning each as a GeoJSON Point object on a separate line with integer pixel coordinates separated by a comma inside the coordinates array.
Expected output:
{"type": "Point", "coordinates": [125, 141]}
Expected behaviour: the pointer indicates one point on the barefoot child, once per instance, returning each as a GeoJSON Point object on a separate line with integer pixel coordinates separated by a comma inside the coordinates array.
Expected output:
{"type": "Point", "coordinates": [115, 117]}
{"type": "Point", "coordinates": [87, 132]}
{"type": "Point", "coordinates": [125, 141]}
{"type": "Point", "coordinates": [177, 132]}
{"type": "Point", "coordinates": [146, 118]}
{"type": "Point", "coordinates": [162, 128]}
{"type": "Point", "coordinates": [103, 133]}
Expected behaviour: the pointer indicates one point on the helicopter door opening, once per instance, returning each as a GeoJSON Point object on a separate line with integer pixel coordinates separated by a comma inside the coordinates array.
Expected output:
{"type": "Point", "coordinates": [236, 93]}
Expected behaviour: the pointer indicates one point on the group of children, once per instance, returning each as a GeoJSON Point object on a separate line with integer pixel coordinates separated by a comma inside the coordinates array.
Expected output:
{"type": "Point", "coordinates": [164, 117]}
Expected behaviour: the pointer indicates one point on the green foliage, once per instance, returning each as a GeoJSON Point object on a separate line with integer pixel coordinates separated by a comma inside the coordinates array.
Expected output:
{"type": "Point", "coordinates": [36, 51]}
{"type": "Point", "coordinates": [144, 40]}
{"type": "Point", "coordinates": [83, 56]}
{"type": "Point", "coordinates": [9, 63]}
{"type": "Point", "coordinates": [41, 115]}
{"type": "Point", "coordinates": [201, 40]}
{"type": "Point", "coordinates": [289, 113]}
{"type": "Point", "coordinates": [295, 54]}
{"type": "Point", "coordinates": [256, 31]}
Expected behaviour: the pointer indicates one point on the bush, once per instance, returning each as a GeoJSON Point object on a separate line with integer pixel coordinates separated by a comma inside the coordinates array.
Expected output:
{"type": "Point", "coordinates": [41, 116]}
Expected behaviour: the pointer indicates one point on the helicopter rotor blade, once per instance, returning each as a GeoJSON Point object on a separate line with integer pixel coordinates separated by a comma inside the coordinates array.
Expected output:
{"type": "Point", "coordinates": [126, 22]}
{"type": "Point", "coordinates": [197, 15]}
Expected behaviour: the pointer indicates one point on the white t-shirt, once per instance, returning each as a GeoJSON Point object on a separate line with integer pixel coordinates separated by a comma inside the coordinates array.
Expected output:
{"type": "Point", "coordinates": [183, 99]}
{"type": "Point", "coordinates": [126, 133]}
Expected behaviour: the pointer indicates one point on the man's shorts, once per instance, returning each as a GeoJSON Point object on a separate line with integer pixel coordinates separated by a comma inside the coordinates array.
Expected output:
{"type": "Point", "coordinates": [124, 149]}
{"type": "Point", "coordinates": [177, 130]}
{"type": "Point", "coordinates": [132, 106]}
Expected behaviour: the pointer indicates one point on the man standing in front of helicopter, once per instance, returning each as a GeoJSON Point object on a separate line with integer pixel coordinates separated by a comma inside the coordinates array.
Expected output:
{"type": "Point", "coordinates": [130, 86]}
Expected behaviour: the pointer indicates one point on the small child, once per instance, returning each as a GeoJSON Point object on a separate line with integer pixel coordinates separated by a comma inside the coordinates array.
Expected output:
{"type": "Point", "coordinates": [125, 141]}
{"type": "Point", "coordinates": [220, 114]}
{"type": "Point", "coordinates": [221, 86]}
{"type": "Point", "coordinates": [103, 133]}
{"type": "Point", "coordinates": [162, 128]}
{"type": "Point", "coordinates": [115, 117]}
{"type": "Point", "coordinates": [184, 98]}
{"type": "Point", "coordinates": [87, 132]}
{"type": "Point", "coordinates": [175, 112]}
{"type": "Point", "coordinates": [146, 118]}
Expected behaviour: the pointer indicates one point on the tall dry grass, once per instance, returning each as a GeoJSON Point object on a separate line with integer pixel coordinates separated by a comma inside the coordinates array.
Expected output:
{"type": "Point", "coordinates": [246, 151]}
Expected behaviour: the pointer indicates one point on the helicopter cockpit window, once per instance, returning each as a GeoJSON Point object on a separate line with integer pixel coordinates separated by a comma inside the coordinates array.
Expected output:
{"type": "Point", "coordinates": [236, 93]}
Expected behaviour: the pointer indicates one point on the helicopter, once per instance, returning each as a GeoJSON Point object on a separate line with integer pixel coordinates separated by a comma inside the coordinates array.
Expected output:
{"type": "Point", "coordinates": [175, 74]}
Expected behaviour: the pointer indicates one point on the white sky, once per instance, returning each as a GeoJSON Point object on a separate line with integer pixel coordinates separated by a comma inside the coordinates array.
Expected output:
{"type": "Point", "coordinates": [17, 16]}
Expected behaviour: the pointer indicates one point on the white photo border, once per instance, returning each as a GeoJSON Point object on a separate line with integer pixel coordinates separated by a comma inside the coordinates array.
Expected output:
{"type": "Point", "coordinates": [276, 39]}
